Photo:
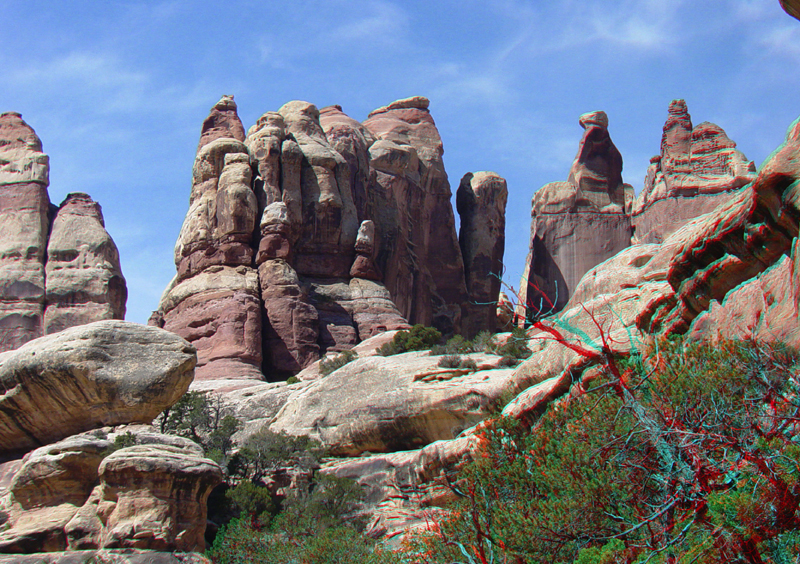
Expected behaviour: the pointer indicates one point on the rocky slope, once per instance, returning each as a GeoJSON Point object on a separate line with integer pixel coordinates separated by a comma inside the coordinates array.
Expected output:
{"type": "Point", "coordinates": [58, 266]}
{"type": "Point", "coordinates": [314, 232]}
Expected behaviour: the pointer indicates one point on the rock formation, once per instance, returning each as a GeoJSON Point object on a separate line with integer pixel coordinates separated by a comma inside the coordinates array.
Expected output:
{"type": "Point", "coordinates": [578, 223]}
{"type": "Point", "coordinates": [419, 255]}
{"type": "Point", "coordinates": [481, 203]}
{"type": "Point", "coordinates": [83, 280]}
{"type": "Point", "coordinates": [315, 232]}
{"type": "Point", "coordinates": [79, 488]}
{"type": "Point", "coordinates": [51, 277]}
{"type": "Point", "coordinates": [792, 7]}
{"type": "Point", "coordinates": [104, 373]}
{"type": "Point", "coordinates": [80, 494]}
{"type": "Point", "coordinates": [697, 170]}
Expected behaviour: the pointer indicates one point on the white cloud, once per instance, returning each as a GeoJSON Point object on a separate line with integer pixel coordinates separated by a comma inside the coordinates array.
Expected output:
{"type": "Point", "coordinates": [103, 78]}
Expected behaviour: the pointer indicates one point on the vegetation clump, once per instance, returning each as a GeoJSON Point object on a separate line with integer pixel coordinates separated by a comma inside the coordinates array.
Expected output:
{"type": "Point", "coordinates": [418, 338]}
{"type": "Point", "coordinates": [204, 419]}
{"type": "Point", "coordinates": [690, 453]}
{"type": "Point", "coordinates": [328, 365]}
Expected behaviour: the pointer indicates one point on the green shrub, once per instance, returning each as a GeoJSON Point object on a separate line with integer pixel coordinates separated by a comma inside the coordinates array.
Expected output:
{"type": "Point", "coordinates": [468, 363]}
{"type": "Point", "coordinates": [450, 361]}
{"type": "Point", "coordinates": [508, 360]}
{"type": "Point", "coordinates": [483, 342]}
{"type": "Point", "coordinates": [692, 454]}
{"type": "Point", "coordinates": [292, 380]}
{"type": "Point", "coordinates": [328, 365]}
{"type": "Point", "coordinates": [419, 338]}
{"type": "Point", "coordinates": [203, 418]}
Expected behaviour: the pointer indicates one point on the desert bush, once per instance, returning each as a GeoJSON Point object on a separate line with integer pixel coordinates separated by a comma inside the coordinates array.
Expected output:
{"type": "Point", "coordinates": [483, 342]}
{"type": "Point", "coordinates": [449, 361]}
{"type": "Point", "coordinates": [328, 365]}
{"type": "Point", "coordinates": [419, 338]}
{"type": "Point", "coordinates": [691, 453]}
{"type": "Point", "coordinates": [203, 418]}
{"type": "Point", "coordinates": [468, 363]}
{"type": "Point", "coordinates": [509, 361]}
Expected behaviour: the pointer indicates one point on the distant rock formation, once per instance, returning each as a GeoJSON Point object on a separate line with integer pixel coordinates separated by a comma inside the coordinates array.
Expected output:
{"type": "Point", "coordinates": [697, 170]}
{"type": "Point", "coordinates": [315, 232]}
{"type": "Point", "coordinates": [792, 7]}
{"type": "Point", "coordinates": [578, 223]}
{"type": "Point", "coordinates": [58, 267]}
{"type": "Point", "coordinates": [582, 222]}
{"type": "Point", "coordinates": [481, 202]}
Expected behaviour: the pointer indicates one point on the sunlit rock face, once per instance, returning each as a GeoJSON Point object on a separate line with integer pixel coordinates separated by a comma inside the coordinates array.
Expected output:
{"type": "Point", "coordinates": [698, 169]}
{"type": "Point", "coordinates": [579, 223]}
{"type": "Point", "coordinates": [315, 232]}
{"type": "Point", "coordinates": [58, 266]}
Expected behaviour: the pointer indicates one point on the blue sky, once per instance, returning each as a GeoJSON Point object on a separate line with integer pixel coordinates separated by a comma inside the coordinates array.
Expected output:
{"type": "Point", "coordinates": [118, 90]}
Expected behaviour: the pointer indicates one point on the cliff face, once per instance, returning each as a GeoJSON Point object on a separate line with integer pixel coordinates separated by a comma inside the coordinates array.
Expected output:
{"type": "Point", "coordinates": [58, 267]}
{"type": "Point", "coordinates": [698, 169]}
{"type": "Point", "coordinates": [580, 223]}
{"type": "Point", "coordinates": [314, 232]}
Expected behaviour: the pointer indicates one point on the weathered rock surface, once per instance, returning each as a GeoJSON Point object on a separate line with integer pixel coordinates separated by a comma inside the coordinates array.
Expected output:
{"type": "Point", "coordinates": [577, 224]}
{"type": "Point", "coordinates": [24, 205]}
{"type": "Point", "coordinates": [419, 254]}
{"type": "Point", "coordinates": [120, 556]}
{"type": "Point", "coordinates": [80, 493]}
{"type": "Point", "coordinates": [381, 404]}
{"type": "Point", "coordinates": [481, 202]}
{"type": "Point", "coordinates": [104, 373]}
{"type": "Point", "coordinates": [315, 232]}
{"type": "Point", "coordinates": [697, 170]}
{"type": "Point", "coordinates": [736, 242]}
{"type": "Point", "coordinates": [792, 7]}
{"type": "Point", "coordinates": [82, 281]}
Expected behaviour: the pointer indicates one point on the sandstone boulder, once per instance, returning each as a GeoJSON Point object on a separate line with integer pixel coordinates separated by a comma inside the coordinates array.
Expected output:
{"type": "Point", "coordinates": [380, 404]}
{"type": "Point", "coordinates": [104, 373]}
{"type": "Point", "coordinates": [80, 493]}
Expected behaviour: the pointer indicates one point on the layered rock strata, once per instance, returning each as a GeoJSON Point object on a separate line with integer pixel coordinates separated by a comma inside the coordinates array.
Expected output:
{"type": "Point", "coordinates": [52, 275]}
{"type": "Point", "coordinates": [315, 232]}
{"type": "Point", "coordinates": [697, 170]}
{"type": "Point", "coordinates": [83, 280]}
{"type": "Point", "coordinates": [80, 494]}
{"type": "Point", "coordinates": [24, 206]}
{"type": "Point", "coordinates": [577, 224]}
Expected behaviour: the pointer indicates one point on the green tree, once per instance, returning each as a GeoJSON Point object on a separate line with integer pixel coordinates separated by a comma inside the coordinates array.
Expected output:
{"type": "Point", "coordinates": [691, 453]}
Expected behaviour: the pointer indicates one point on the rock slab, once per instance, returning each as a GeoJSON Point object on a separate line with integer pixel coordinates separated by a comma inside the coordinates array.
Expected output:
{"type": "Point", "coordinates": [104, 373]}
